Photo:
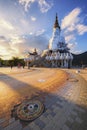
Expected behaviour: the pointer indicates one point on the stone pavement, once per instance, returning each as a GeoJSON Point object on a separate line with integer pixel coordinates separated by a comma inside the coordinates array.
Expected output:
{"type": "Point", "coordinates": [66, 109]}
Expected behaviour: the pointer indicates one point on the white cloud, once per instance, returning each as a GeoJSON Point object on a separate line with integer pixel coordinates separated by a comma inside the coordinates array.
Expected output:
{"type": "Point", "coordinates": [44, 6]}
{"type": "Point", "coordinates": [73, 23]}
{"type": "Point", "coordinates": [6, 50]}
{"type": "Point", "coordinates": [6, 28]}
{"type": "Point", "coordinates": [40, 32]}
{"type": "Point", "coordinates": [26, 3]}
{"type": "Point", "coordinates": [74, 48]}
{"type": "Point", "coordinates": [72, 45]}
{"type": "Point", "coordinates": [33, 18]}
{"type": "Point", "coordinates": [16, 40]}
{"type": "Point", "coordinates": [37, 33]}
{"type": "Point", "coordinates": [77, 51]}
{"type": "Point", "coordinates": [71, 19]}
{"type": "Point", "coordinates": [5, 25]}
{"type": "Point", "coordinates": [81, 29]}
{"type": "Point", "coordinates": [69, 37]}
{"type": "Point", "coordinates": [31, 33]}
{"type": "Point", "coordinates": [17, 45]}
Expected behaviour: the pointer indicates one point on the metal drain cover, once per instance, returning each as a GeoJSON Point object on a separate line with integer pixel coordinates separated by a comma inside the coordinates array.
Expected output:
{"type": "Point", "coordinates": [30, 110]}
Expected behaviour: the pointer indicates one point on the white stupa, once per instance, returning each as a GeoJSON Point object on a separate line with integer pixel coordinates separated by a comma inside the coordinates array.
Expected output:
{"type": "Point", "coordinates": [58, 52]}
{"type": "Point", "coordinates": [55, 37]}
{"type": "Point", "coordinates": [57, 42]}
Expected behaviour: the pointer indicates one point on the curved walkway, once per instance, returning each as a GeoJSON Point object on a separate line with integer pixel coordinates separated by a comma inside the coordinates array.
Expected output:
{"type": "Point", "coordinates": [66, 109]}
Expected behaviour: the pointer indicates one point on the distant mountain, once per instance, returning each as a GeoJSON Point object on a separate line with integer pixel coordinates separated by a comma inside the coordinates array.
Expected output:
{"type": "Point", "coordinates": [80, 59]}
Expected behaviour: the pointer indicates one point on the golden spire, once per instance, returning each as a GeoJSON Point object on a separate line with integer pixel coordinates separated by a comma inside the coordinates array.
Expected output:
{"type": "Point", "coordinates": [56, 24]}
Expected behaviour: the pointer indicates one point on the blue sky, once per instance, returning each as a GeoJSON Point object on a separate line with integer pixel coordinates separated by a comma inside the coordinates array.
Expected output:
{"type": "Point", "coordinates": [28, 24]}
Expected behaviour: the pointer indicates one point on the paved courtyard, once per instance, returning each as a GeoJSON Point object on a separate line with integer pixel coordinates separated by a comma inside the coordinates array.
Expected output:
{"type": "Point", "coordinates": [66, 106]}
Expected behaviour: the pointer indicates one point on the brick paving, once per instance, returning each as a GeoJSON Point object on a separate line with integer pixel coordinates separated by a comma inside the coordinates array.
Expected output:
{"type": "Point", "coordinates": [66, 109]}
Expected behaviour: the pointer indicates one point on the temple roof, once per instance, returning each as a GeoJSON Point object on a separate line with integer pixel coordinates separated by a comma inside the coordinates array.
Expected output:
{"type": "Point", "coordinates": [33, 53]}
{"type": "Point", "coordinates": [56, 24]}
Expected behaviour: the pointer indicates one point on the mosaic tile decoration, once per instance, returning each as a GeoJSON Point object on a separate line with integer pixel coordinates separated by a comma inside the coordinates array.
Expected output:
{"type": "Point", "coordinates": [30, 110]}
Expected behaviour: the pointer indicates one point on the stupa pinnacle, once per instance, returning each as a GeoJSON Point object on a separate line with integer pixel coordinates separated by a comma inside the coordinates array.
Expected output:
{"type": "Point", "coordinates": [56, 24]}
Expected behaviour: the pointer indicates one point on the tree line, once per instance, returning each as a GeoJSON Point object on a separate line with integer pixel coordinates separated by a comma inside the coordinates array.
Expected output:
{"type": "Point", "coordinates": [12, 62]}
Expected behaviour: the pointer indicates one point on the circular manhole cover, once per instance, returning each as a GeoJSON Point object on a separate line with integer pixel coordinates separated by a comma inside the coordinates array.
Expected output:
{"type": "Point", "coordinates": [30, 110]}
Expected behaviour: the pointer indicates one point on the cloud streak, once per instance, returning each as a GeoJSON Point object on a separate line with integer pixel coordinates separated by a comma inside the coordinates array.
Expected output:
{"type": "Point", "coordinates": [6, 25]}
{"type": "Point", "coordinates": [40, 32]}
{"type": "Point", "coordinates": [44, 6]}
{"type": "Point", "coordinates": [81, 29]}
{"type": "Point", "coordinates": [70, 37]}
{"type": "Point", "coordinates": [71, 19]}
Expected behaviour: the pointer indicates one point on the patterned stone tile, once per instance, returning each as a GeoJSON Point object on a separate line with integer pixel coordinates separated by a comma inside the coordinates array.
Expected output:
{"type": "Point", "coordinates": [40, 123]}
{"type": "Point", "coordinates": [53, 114]}
{"type": "Point", "coordinates": [13, 125]}
{"type": "Point", "coordinates": [2, 120]}
{"type": "Point", "coordinates": [33, 126]}
{"type": "Point", "coordinates": [65, 128]}
{"type": "Point", "coordinates": [11, 120]}
{"type": "Point", "coordinates": [1, 128]}
{"type": "Point", "coordinates": [79, 120]}
{"type": "Point", "coordinates": [59, 105]}
{"type": "Point", "coordinates": [27, 128]}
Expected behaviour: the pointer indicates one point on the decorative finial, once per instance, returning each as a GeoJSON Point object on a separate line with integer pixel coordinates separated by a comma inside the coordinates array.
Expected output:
{"type": "Point", "coordinates": [56, 24]}
{"type": "Point", "coordinates": [56, 15]}
{"type": "Point", "coordinates": [35, 50]}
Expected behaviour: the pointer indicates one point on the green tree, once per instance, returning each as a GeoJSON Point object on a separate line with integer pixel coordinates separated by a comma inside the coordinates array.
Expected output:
{"type": "Point", "coordinates": [1, 61]}
{"type": "Point", "coordinates": [15, 60]}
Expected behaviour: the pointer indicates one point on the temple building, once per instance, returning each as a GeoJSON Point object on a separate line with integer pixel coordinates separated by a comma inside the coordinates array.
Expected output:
{"type": "Point", "coordinates": [32, 56]}
{"type": "Point", "coordinates": [57, 54]}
